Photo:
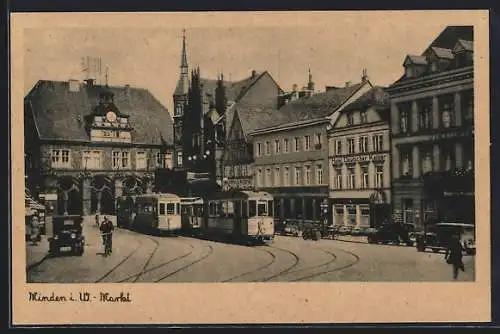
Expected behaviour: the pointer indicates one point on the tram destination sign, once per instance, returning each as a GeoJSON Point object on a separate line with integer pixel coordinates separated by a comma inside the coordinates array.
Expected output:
{"type": "Point", "coordinates": [359, 158]}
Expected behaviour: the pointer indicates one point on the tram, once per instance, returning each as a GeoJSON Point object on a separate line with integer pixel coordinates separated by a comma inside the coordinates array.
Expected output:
{"type": "Point", "coordinates": [159, 211]}
{"type": "Point", "coordinates": [245, 215]}
{"type": "Point", "coordinates": [191, 214]}
{"type": "Point", "coordinates": [125, 211]}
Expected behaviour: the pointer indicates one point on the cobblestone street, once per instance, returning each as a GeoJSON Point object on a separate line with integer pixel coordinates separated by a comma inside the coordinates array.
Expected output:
{"type": "Point", "coordinates": [144, 258]}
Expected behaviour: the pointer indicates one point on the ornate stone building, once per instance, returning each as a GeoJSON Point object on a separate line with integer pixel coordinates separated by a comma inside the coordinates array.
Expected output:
{"type": "Point", "coordinates": [88, 144]}
{"type": "Point", "coordinates": [432, 125]}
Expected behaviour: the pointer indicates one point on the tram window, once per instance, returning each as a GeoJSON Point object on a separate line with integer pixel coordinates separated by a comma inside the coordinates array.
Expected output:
{"type": "Point", "coordinates": [244, 209]}
{"type": "Point", "coordinates": [228, 209]}
{"type": "Point", "coordinates": [262, 208]}
{"type": "Point", "coordinates": [177, 208]}
{"type": "Point", "coordinates": [218, 208]}
{"type": "Point", "coordinates": [162, 208]}
{"type": "Point", "coordinates": [211, 209]}
{"type": "Point", "coordinates": [252, 208]}
{"type": "Point", "coordinates": [170, 208]}
{"type": "Point", "coordinates": [270, 208]}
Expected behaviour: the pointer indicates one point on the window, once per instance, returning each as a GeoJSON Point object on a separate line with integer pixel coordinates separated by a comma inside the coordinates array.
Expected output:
{"type": "Point", "coordinates": [262, 208]}
{"type": "Point", "coordinates": [237, 171]}
{"type": "Point", "coordinates": [268, 147]}
{"type": "Point", "coordinates": [307, 143]}
{"type": "Point", "coordinates": [338, 147]}
{"type": "Point", "coordinates": [404, 121]}
{"type": "Point", "coordinates": [296, 144]}
{"type": "Point", "coordinates": [364, 177]}
{"type": "Point", "coordinates": [350, 145]}
{"type": "Point", "coordinates": [120, 160]}
{"type": "Point", "coordinates": [60, 158]}
{"type": "Point", "coordinates": [116, 160]}
{"type": "Point", "coordinates": [317, 140]}
{"type": "Point", "coordinates": [259, 177]}
{"type": "Point", "coordinates": [170, 208]}
{"type": "Point", "coordinates": [252, 208]}
{"type": "Point", "coordinates": [92, 160]}
{"type": "Point", "coordinates": [179, 159]}
{"type": "Point", "coordinates": [307, 175]}
{"type": "Point", "coordinates": [408, 71]}
{"type": "Point", "coordinates": [378, 142]}
{"type": "Point", "coordinates": [424, 114]}
{"type": "Point", "coordinates": [270, 208]}
{"type": "Point", "coordinates": [125, 160]}
{"type": "Point", "coordinates": [446, 110]}
{"type": "Point", "coordinates": [285, 145]}
{"type": "Point", "coordinates": [468, 106]}
{"type": "Point", "coordinates": [433, 66]}
{"type": "Point", "coordinates": [406, 163]}
{"type": "Point", "coordinates": [319, 174]}
{"type": "Point", "coordinates": [447, 157]}
{"type": "Point", "coordinates": [286, 176]}
{"type": "Point", "coordinates": [268, 177]}
{"type": "Point", "coordinates": [297, 175]}
{"type": "Point", "coordinates": [162, 208]}
{"type": "Point", "coordinates": [407, 210]}
{"type": "Point", "coordinates": [426, 160]}
{"type": "Point", "coordinates": [351, 177]}
{"type": "Point", "coordinates": [338, 178]}
{"type": "Point", "coordinates": [277, 146]}
{"type": "Point", "coordinates": [379, 176]}
{"type": "Point", "coordinates": [277, 176]}
{"type": "Point", "coordinates": [350, 118]}
{"type": "Point", "coordinates": [363, 144]}
{"type": "Point", "coordinates": [140, 160]}
{"type": "Point", "coordinates": [259, 149]}
{"type": "Point", "coordinates": [363, 117]}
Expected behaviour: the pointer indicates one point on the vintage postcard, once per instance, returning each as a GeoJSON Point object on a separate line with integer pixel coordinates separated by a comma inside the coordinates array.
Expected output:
{"type": "Point", "coordinates": [250, 167]}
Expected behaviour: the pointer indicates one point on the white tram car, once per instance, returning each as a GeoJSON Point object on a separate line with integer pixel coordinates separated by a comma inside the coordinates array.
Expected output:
{"type": "Point", "coordinates": [240, 214]}
{"type": "Point", "coordinates": [192, 213]}
{"type": "Point", "coordinates": [158, 211]}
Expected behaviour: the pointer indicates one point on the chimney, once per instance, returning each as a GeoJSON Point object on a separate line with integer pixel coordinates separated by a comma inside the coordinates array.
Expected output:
{"type": "Point", "coordinates": [90, 82]}
{"type": "Point", "coordinates": [127, 90]}
{"type": "Point", "coordinates": [294, 87]}
{"type": "Point", "coordinates": [347, 83]}
{"type": "Point", "coordinates": [364, 77]}
{"type": "Point", "coordinates": [254, 73]}
{"type": "Point", "coordinates": [74, 85]}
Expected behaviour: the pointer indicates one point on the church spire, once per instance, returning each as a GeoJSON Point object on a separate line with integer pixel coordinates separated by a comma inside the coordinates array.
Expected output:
{"type": "Point", "coordinates": [183, 82]}
{"type": "Point", "coordinates": [310, 83]}
{"type": "Point", "coordinates": [184, 62]}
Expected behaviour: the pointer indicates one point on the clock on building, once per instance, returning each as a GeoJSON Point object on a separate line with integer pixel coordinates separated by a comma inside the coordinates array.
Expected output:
{"type": "Point", "coordinates": [111, 116]}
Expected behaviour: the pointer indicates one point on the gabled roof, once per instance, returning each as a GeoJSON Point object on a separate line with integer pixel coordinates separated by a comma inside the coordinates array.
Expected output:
{"type": "Point", "coordinates": [442, 53]}
{"type": "Point", "coordinates": [417, 60]}
{"type": "Point", "coordinates": [60, 114]}
{"type": "Point", "coordinates": [254, 118]}
{"type": "Point", "coordinates": [466, 45]}
{"type": "Point", "coordinates": [377, 96]}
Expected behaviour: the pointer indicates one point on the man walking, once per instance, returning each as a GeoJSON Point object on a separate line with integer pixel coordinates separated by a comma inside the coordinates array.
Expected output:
{"type": "Point", "coordinates": [454, 255]}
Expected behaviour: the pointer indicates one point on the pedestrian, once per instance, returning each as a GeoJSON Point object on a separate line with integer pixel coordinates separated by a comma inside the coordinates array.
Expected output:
{"type": "Point", "coordinates": [97, 220]}
{"type": "Point", "coordinates": [107, 234]}
{"type": "Point", "coordinates": [35, 230]}
{"type": "Point", "coordinates": [454, 255]}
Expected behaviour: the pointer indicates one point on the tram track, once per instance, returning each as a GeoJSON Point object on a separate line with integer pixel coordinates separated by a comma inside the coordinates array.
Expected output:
{"type": "Point", "coordinates": [273, 260]}
{"type": "Point", "coordinates": [150, 257]}
{"type": "Point", "coordinates": [210, 252]}
{"type": "Point", "coordinates": [109, 272]}
{"type": "Point", "coordinates": [356, 260]}
{"type": "Point", "coordinates": [296, 262]}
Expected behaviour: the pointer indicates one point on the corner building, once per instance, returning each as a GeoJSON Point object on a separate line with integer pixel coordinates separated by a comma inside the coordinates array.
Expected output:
{"type": "Point", "coordinates": [432, 126]}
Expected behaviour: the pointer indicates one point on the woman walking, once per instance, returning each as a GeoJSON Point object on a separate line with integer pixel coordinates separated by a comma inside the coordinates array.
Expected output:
{"type": "Point", "coordinates": [454, 255]}
{"type": "Point", "coordinates": [35, 230]}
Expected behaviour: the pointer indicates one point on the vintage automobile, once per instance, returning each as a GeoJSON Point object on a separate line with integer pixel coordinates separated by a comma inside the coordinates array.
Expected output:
{"type": "Point", "coordinates": [344, 230]}
{"type": "Point", "coordinates": [67, 235]}
{"type": "Point", "coordinates": [438, 236]}
{"type": "Point", "coordinates": [390, 233]}
{"type": "Point", "coordinates": [290, 229]}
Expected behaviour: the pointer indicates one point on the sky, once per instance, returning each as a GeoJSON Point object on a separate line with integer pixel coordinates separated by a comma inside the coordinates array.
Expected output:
{"type": "Point", "coordinates": [336, 47]}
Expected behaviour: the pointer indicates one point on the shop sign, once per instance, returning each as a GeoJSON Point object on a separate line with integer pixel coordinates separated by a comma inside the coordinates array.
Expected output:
{"type": "Point", "coordinates": [452, 134]}
{"type": "Point", "coordinates": [359, 158]}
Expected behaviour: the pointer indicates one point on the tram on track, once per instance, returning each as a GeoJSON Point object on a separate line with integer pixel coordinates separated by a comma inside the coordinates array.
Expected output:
{"type": "Point", "coordinates": [244, 215]}
{"type": "Point", "coordinates": [125, 211]}
{"type": "Point", "coordinates": [192, 214]}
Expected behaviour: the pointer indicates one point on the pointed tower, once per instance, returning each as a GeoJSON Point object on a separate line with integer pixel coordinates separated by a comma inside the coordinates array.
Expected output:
{"type": "Point", "coordinates": [310, 83]}
{"type": "Point", "coordinates": [180, 100]}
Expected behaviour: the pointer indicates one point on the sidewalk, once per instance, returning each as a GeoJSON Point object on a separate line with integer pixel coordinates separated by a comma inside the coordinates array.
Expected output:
{"type": "Point", "coordinates": [36, 254]}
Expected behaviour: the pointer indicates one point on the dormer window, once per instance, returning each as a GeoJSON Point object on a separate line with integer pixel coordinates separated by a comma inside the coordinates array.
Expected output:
{"type": "Point", "coordinates": [409, 71]}
{"type": "Point", "coordinates": [433, 67]}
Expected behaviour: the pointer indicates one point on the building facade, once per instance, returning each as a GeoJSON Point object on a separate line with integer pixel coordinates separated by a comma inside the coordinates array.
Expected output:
{"type": "Point", "coordinates": [88, 144]}
{"type": "Point", "coordinates": [432, 125]}
{"type": "Point", "coordinates": [291, 159]}
{"type": "Point", "coordinates": [359, 150]}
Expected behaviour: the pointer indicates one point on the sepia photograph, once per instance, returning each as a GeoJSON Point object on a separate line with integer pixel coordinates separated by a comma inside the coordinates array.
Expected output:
{"type": "Point", "coordinates": [272, 148]}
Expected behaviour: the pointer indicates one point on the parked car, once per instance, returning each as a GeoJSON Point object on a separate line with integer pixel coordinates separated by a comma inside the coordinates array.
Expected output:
{"type": "Point", "coordinates": [357, 231]}
{"type": "Point", "coordinates": [311, 232]}
{"type": "Point", "coordinates": [291, 229]}
{"type": "Point", "coordinates": [390, 233]}
{"type": "Point", "coordinates": [438, 236]}
{"type": "Point", "coordinates": [344, 230]}
{"type": "Point", "coordinates": [67, 235]}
